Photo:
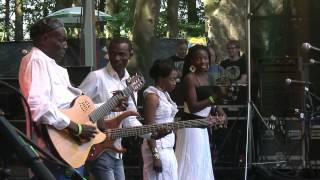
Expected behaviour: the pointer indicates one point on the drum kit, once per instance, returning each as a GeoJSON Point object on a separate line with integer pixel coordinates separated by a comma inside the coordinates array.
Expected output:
{"type": "Point", "coordinates": [228, 89]}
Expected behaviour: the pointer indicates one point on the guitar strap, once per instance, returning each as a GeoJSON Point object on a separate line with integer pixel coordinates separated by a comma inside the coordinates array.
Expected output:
{"type": "Point", "coordinates": [132, 96]}
{"type": "Point", "coordinates": [133, 99]}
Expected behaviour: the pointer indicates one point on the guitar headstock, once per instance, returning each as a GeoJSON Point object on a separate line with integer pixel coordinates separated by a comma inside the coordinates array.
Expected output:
{"type": "Point", "coordinates": [136, 82]}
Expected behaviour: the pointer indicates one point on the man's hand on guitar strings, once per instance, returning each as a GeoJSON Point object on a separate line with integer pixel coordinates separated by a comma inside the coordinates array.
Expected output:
{"type": "Point", "coordinates": [88, 132]}
{"type": "Point", "coordinates": [123, 102]}
{"type": "Point", "coordinates": [83, 131]}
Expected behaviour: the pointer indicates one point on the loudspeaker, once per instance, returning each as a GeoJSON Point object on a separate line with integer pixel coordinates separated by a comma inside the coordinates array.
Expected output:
{"type": "Point", "coordinates": [277, 97]}
{"type": "Point", "coordinates": [77, 74]}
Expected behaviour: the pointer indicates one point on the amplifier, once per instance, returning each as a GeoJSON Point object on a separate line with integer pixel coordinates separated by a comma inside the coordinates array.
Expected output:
{"type": "Point", "coordinates": [282, 144]}
{"type": "Point", "coordinates": [314, 154]}
{"type": "Point", "coordinates": [228, 144]}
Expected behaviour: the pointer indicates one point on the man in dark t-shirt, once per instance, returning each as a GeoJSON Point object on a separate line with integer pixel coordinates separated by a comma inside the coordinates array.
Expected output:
{"type": "Point", "coordinates": [235, 66]}
{"type": "Point", "coordinates": [178, 58]}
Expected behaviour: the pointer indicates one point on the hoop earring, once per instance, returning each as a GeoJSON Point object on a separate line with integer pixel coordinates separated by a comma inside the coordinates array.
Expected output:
{"type": "Point", "coordinates": [192, 68]}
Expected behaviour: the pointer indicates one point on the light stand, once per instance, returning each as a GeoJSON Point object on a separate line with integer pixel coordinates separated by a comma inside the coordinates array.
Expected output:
{"type": "Point", "coordinates": [248, 155]}
{"type": "Point", "coordinates": [250, 104]}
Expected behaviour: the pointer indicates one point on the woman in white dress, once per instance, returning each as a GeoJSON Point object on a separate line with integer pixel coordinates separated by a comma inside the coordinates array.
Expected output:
{"type": "Point", "coordinates": [192, 146]}
{"type": "Point", "coordinates": [159, 161]}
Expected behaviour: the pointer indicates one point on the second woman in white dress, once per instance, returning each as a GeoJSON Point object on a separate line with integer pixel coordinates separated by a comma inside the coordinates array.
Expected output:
{"type": "Point", "coordinates": [159, 161]}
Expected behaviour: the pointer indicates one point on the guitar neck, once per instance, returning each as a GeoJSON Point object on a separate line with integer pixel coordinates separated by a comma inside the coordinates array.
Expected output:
{"type": "Point", "coordinates": [140, 130]}
{"type": "Point", "coordinates": [106, 108]}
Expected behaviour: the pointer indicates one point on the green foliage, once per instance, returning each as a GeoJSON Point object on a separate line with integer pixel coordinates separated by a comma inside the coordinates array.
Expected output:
{"type": "Point", "coordinates": [37, 9]}
{"type": "Point", "coordinates": [185, 28]}
{"type": "Point", "coordinates": [33, 11]}
{"type": "Point", "coordinates": [124, 22]}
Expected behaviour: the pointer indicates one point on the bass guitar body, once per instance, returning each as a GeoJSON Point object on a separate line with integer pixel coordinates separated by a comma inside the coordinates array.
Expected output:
{"type": "Point", "coordinates": [108, 143]}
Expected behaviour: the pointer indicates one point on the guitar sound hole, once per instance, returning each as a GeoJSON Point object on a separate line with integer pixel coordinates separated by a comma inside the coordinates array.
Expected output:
{"type": "Point", "coordinates": [84, 105]}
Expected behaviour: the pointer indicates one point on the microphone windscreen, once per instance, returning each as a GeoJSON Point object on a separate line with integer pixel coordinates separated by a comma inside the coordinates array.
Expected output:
{"type": "Point", "coordinates": [306, 46]}
{"type": "Point", "coordinates": [288, 81]}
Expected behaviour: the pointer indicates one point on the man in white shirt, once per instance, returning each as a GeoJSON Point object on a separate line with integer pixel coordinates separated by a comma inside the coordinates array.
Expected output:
{"type": "Point", "coordinates": [47, 88]}
{"type": "Point", "coordinates": [102, 82]}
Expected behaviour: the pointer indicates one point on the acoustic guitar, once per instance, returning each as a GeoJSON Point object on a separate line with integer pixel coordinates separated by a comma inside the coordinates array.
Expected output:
{"type": "Point", "coordinates": [84, 111]}
{"type": "Point", "coordinates": [113, 131]}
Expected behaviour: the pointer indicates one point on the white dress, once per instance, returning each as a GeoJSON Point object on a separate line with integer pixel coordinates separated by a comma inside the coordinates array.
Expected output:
{"type": "Point", "coordinates": [193, 152]}
{"type": "Point", "coordinates": [165, 113]}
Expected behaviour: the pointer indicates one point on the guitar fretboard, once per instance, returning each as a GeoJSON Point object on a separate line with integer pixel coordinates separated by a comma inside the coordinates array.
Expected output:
{"type": "Point", "coordinates": [140, 130]}
{"type": "Point", "coordinates": [106, 108]}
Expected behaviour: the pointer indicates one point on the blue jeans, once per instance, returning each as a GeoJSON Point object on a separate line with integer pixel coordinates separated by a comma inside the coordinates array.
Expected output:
{"type": "Point", "coordinates": [106, 167]}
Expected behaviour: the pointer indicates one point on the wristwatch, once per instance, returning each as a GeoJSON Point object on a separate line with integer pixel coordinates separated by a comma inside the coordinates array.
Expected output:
{"type": "Point", "coordinates": [155, 153]}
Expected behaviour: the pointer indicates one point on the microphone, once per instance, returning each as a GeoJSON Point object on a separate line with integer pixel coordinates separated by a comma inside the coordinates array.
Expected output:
{"type": "Point", "coordinates": [312, 61]}
{"type": "Point", "coordinates": [289, 81]}
{"type": "Point", "coordinates": [307, 47]}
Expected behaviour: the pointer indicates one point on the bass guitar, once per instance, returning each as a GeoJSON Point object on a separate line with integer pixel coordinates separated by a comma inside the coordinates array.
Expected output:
{"type": "Point", "coordinates": [84, 111]}
{"type": "Point", "coordinates": [113, 132]}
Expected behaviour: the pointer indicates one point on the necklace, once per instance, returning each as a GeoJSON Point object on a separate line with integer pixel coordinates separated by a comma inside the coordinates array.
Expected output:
{"type": "Point", "coordinates": [160, 89]}
{"type": "Point", "coordinates": [165, 94]}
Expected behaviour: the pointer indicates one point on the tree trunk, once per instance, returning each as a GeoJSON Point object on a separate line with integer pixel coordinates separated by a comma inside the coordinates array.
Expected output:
{"type": "Point", "coordinates": [225, 20]}
{"type": "Point", "coordinates": [132, 5]}
{"type": "Point", "coordinates": [192, 11]}
{"type": "Point", "coordinates": [7, 20]}
{"type": "Point", "coordinates": [143, 33]}
{"type": "Point", "coordinates": [173, 18]}
{"type": "Point", "coordinates": [18, 32]}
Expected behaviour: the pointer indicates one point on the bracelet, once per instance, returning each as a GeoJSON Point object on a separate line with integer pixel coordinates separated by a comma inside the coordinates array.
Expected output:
{"type": "Point", "coordinates": [79, 129]}
{"type": "Point", "coordinates": [155, 153]}
{"type": "Point", "coordinates": [211, 99]}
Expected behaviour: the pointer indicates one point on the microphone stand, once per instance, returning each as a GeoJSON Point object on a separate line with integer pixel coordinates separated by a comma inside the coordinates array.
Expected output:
{"type": "Point", "coordinates": [306, 116]}
{"type": "Point", "coordinates": [248, 155]}
{"type": "Point", "coordinates": [16, 135]}
{"type": "Point", "coordinates": [249, 130]}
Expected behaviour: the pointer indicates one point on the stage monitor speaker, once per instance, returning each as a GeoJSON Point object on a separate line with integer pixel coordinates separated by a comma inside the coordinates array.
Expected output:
{"type": "Point", "coordinates": [314, 154]}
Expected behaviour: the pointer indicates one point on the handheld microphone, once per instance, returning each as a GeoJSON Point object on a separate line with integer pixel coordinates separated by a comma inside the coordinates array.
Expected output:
{"type": "Point", "coordinates": [307, 47]}
{"type": "Point", "coordinates": [289, 81]}
{"type": "Point", "coordinates": [312, 61]}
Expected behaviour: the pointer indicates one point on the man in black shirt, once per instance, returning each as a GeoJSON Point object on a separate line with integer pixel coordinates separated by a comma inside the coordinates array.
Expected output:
{"type": "Point", "coordinates": [235, 66]}
{"type": "Point", "coordinates": [181, 52]}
